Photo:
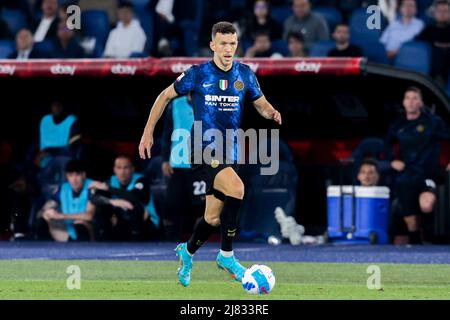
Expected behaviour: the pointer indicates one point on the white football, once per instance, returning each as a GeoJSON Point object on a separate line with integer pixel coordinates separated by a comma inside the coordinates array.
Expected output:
{"type": "Point", "coordinates": [258, 279]}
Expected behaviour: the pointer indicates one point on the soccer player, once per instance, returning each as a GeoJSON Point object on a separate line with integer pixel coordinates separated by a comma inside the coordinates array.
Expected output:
{"type": "Point", "coordinates": [226, 80]}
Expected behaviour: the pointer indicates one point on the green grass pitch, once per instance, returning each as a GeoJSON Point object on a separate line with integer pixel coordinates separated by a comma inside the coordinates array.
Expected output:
{"type": "Point", "coordinates": [102, 279]}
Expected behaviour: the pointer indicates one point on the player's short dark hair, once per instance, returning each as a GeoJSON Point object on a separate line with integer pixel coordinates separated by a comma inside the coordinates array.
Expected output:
{"type": "Point", "coordinates": [75, 166]}
{"type": "Point", "coordinates": [223, 27]}
{"type": "Point", "coordinates": [124, 156]}
{"type": "Point", "coordinates": [369, 162]}
{"type": "Point", "coordinates": [341, 25]}
{"type": "Point", "coordinates": [296, 35]}
{"type": "Point", "coordinates": [414, 89]}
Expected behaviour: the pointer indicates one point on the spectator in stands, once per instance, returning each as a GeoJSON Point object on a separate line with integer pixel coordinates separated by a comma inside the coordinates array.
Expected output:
{"type": "Point", "coordinates": [312, 26]}
{"type": "Point", "coordinates": [343, 48]}
{"type": "Point", "coordinates": [127, 37]}
{"type": "Point", "coordinates": [66, 44]}
{"type": "Point", "coordinates": [296, 45]}
{"type": "Point", "coordinates": [418, 134]}
{"type": "Point", "coordinates": [24, 46]}
{"type": "Point", "coordinates": [438, 36]}
{"type": "Point", "coordinates": [47, 27]}
{"type": "Point", "coordinates": [125, 209]}
{"type": "Point", "coordinates": [262, 47]}
{"type": "Point", "coordinates": [60, 134]}
{"type": "Point", "coordinates": [109, 6]}
{"type": "Point", "coordinates": [260, 21]}
{"type": "Point", "coordinates": [68, 214]}
{"type": "Point", "coordinates": [368, 174]}
{"type": "Point", "coordinates": [403, 29]}
{"type": "Point", "coordinates": [181, 185]}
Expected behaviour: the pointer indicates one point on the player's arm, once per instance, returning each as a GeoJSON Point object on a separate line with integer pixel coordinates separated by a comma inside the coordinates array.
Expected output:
{"type": "Point", "coordinates": [266, 110]}
{"type": "Point", "coordinates": [155, 113]}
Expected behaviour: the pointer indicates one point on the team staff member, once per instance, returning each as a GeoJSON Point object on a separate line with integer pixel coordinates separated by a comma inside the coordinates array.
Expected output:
{"type": "Point", "coordinates": [418, 134]}
{"type": "Point", "coordinates": [182, 185]}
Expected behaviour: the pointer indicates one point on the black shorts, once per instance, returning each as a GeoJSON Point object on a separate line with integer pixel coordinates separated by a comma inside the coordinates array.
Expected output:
{"type": "Point", "coordinates": [208, 172]}
{"type": "Point", "coordinates": [408, 192]}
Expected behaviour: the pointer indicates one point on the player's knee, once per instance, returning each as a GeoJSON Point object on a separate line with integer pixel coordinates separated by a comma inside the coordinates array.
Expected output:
{"type": "Point", "coordinates": [427, 201]}
{"type": "Point", "coordinates": [236, 189]}
{"type": "Point", "coordinates": [213, 221]}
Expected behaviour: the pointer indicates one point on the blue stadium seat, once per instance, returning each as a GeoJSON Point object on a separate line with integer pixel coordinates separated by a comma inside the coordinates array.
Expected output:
{"type": "Point", "coordinates": [45, 48]}
{"type": "Point", "coordinates": [140, 4]}
{"type": "Point", "coordinates": [332, 15]}
{"type": "Point", "coordinates": [415, 56]}
{"type": "Point", "coordinates": [95, 23]}
{"type": "Point", "coordinates": [281, 13]}
{"type": "Point", "coordinates": [423, 5]}
{"type": "Point", "coordinates": [280, 46]}
{"type": "Point", "coordinates": [6, 48]}
{"type": "Point", "coordinates": [14, 19]}
{"type": "Point", "coordinates": [190, 34]}
{"type": "Point", "coordinates": [374, 51]}
{"type": "Point", "coordinates": [139, 55]}
{"type": "Point", "coordinates": [358, 27]}
{"type": "Point", "coordinates": [145, 17]}
{"type": "Point", "coordinates": [321, 48]}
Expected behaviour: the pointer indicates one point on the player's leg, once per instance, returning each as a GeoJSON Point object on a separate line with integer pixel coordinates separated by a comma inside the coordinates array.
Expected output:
{"type": "Point", "coordinates": [231, 186]}
{"type": "Point", "coordinates": [408, 193]}
{"type": "Point", "coordinates": [203, 228]}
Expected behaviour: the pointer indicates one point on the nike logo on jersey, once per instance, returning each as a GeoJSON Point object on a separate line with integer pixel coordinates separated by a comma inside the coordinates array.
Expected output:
{"type": "Point", "coordinates": [206, 85]}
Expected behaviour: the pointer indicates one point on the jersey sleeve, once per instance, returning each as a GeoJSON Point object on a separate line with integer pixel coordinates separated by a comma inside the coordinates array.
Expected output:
{"type": "Point", "coordinates": [185, 82]}
{"type": "Point", "coordinates": [254, 90]}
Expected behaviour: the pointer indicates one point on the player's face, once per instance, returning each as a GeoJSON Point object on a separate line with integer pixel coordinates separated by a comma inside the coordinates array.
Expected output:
{"type": "Point", "coordinates": [341, 34]}
{"type": "Point", "coordinates": [368, 176]}
{"type": "Point", "coordinates": [224, 47]}
{"type": "Point", "coordinates": [123, 169]}
{"type": "Point", "coordinates": [412, 102]}
{"type": "Point", "coordinates": [76, 180]}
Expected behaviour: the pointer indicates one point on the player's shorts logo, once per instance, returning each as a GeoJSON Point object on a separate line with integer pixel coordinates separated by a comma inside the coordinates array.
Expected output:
{"type": "Point", "coordinates": [239, 85]}
{"type": "Point", "coordinates": [214, 163]}
{"type": "Point", "coordinates": [420, 128]}
{"type": "Point", "coordinates": [223, 84]}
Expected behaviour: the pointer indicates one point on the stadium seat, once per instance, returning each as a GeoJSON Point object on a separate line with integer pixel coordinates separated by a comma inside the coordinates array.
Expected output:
{"type": "Point", "coordinates": [358, 27]}
{"type": "Point", "coordinates": [281, 13]}
{"type": "Point", "coordinates": [332, 15]}
{"type": "Point", "coordinates": [139, 55]}
{"type": "Point", "coordinates": [14, 19]}
{"type": "Point", "coordinates": [145, 17]}
{"type": "Point", "coordinates": [95, 23]}
{"type": "Point", "coordinates": [321, 48]}
{"type": "Point", "coordinates": [140, 4]}
{"type": "Point", "coordinates": [423, 5]}
{"type": "Point", "coordinates": [280, 46]}
{"type": "Point", "coordinates": [415, 56]}
{"type": "Point", "coordinates": [45, 48]}
{"type": "Point", "coordinates": [374, 51]}
{"type": "Point", "coordinates": [6, 48]}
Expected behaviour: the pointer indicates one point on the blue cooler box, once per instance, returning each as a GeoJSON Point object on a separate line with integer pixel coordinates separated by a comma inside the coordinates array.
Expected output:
{"type": "Point", "coordinates": [371, 214]}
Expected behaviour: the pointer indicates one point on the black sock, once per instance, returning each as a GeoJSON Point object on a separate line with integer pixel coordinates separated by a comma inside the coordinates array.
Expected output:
{"type": "Point", "coordinates": [228, 222]}
{"type": "Point", "coordinates": [202, 231]}
{"type": "Point", "coordinates": [414, 237]}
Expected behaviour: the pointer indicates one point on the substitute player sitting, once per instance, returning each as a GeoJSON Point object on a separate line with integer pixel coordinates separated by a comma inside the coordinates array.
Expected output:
{"type": "Point", "coordinates": [221, 79]}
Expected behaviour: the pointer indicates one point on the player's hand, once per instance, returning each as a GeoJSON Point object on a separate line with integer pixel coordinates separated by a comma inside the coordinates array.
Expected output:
{"type": "Point", "coordinates": [145, 146]}
{"type": "Point", "coordinates": [448, 167]}
{"type": "Point", "coordinates": [276, 116]}
{"type": "Point", "coordinates": [123, 204]}
{"type": "Point", "coordinates": [99, 185]}
{"type": "Point", "coordinates": [167, 169]}
{"type": "Point", "coordinates": [398, 165]}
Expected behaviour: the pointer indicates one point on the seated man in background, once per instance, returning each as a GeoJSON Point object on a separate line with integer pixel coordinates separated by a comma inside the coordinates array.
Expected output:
{"type": "Point", "coordinates": [262, 47]}
{"type": "Point", "coordinates": [343, 47]}
{"type": "Point", "coordinates": [24, 46]}
{"type": "Point", "coordinates": [125, 210]}
{"type": "Point", "coordinates": [66, 44]}
{"type": "Point", "coordinates": [296, 45]}
{"type": "Point", "coordinates": [403, 29]}
{"type": "Point", "coordinates": [368, 174]}
{"type": "Point", "coordinates": [438, 36]}
{"type": "Point", "coordinates": [418, 133]}
{"type": "Point", "coordinates": [127, 37]}
{"type": "Point", "coordinates": [68, 214]}
{"type": "Point", "coordinates": [46, 28]}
